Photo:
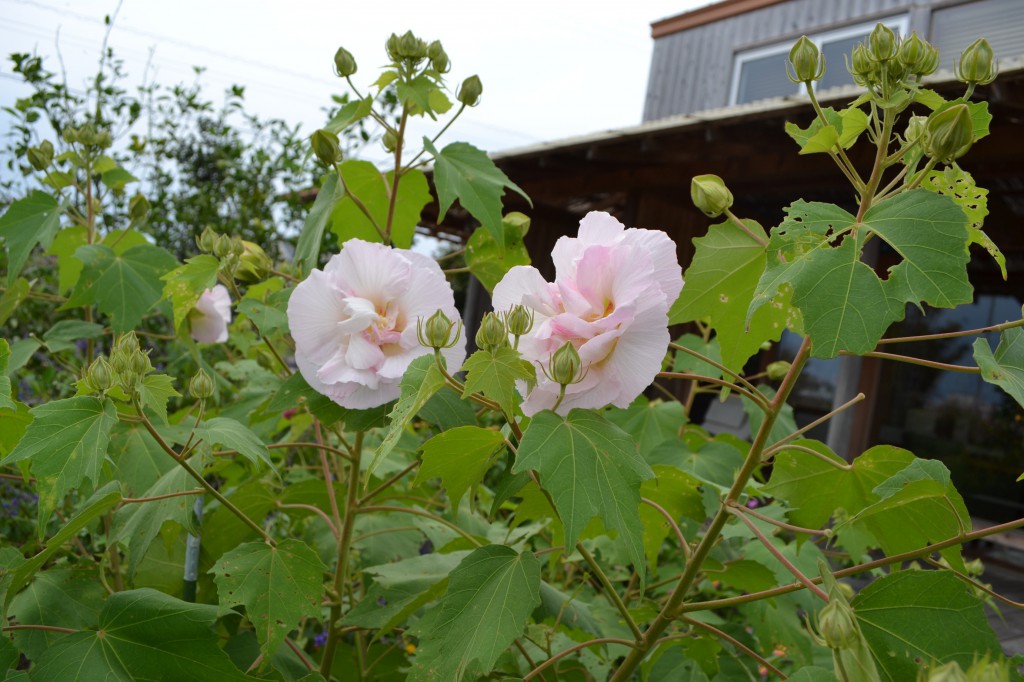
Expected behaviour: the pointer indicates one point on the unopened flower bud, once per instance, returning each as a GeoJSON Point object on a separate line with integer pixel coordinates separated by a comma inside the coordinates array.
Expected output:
{"type": "Point", "coordinates": [837, 625]}
{"type": "Point", "coordinates": [777, 370]}
{"type": "Point", "coordinates": [412, 48]}
{"type": "Point", "coordinates": [882, 42]}
{"type": "Point", "coordinates": [519, 320]}
{"type": "Point", "coordinates": [950, 672]}
{"type": "Point", "coordinates": [391, 47]}
{"type": "Point", "coordinates": [344, 63]}
{"type": "Point", "coordinates": [919, 56]}
{"type": "Point", "coordinates": [565, 365]}
{"type": "Point", "coordinates": [139, 364]}
{"type": "Point", "coordinates": [201, 386]}
{"type": "Point", "coordinates": [436, 331]}
{"type": "Point", "coordinates": [949, 133]}
{"type": "Point", "coordinates": [103, 139]}
{"type": "Point", "coordinates": [710, 195]}
{"type": "Point", "coordinates": [492, 334]}
{"type": "Point", "coordinates": [862, 67]}
{"type": "Point", "coordinates": [101, 374]}
{"type": "Point", "coordinates": [206, 239]}
{"type": "Point", "coordinates": [977, 64]}
{"type": "Point", "coordinates": [222, 246]}
{"type": "Point", "coordinates": [806, 60]}
{"type": "Point", "coordinates": [41, 156]}
{"type": "Point", "coordinates": [390, 141]}
{"type": "Point", "coordinates": [326, 147]}
{"type": "Point", "coordinates": [70, 135]}
{"type": "Point", "coordinates": [984, 670]}
{"type": "Point", "coordinates": [255, 265]}
{"type": "Point", "coordinates": [469, 93]}
{"type": "Point", "coordinates": [915, 128]}
{"type": "Point", "coordinates": [438, 57]}
{"type": "Point", "coordinates": [127, 343]}
{"type": "Point", "coordinates": [237, 247]}
{"type": "Point", "coordinates": [138, 208]}
{"type": "Point", "coordinates": [846, 589]}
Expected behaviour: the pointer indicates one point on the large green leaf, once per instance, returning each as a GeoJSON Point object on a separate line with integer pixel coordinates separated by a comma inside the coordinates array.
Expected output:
{"type": "Point", "coordinates": [65, 445]}
{"type": "Point", "coordinates": [957, 184]}
{"type": "Point", "coordinates": [590, 468]}
{"type": "Point", "coordinates": [459, 457]}
{"type": "Point", "coordinates": [720, 284]}
{"type": "Point", "coordinates": [842, 130]}
{"type": "Point", "coordinates": [141, 635]}
{"type": "Point", "coordinates": [925, 616]}
{"type": "Point", "coordinates": [1005, 368]}
{"type": "Point", "coordinates": [139, 459]}
{"type": "Point", "coordinates": [278, 586]}
{"type": "Point", "coordinates": [495, 375]}
{"type": "Point", "coordinates": [363, 182]}
{"type": "Point", "coordinates": [62, 597]}
{"type": "Point", "coordinates": [489, 260]}
{"type": "Point", "coordinates": [63, 247]}
{"type": "Point", "coordinates": [295, 392]}
{"type": "Point", "coordinates": [649, 422]}
{"type": "Point", "coordinates": [490, 597]}
{"type": "Point", "coordinates": [6, 403]}
{"type": "Point", "coordinates": [234, 435]}
{"type": "Point", "coordinates": [307, 250]}
{"type": "Point", "coordinates": [123, 286]}
{"type": "Point", "coordinates": [421, 381]}
{"type": "Point", "coordinates": [463, 172]}
{"type": "Point", "coordinates": [186, 283]}
{"type": "Point", "coordinates": [814, 489]}
{"type": "Point", "coordinates": [61, 336]}
{"type": "Point", "coordinates": [27, 222]}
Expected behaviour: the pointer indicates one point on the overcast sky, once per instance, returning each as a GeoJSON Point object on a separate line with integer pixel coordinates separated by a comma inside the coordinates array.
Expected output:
{"type": "Point", "coordinates": [550, 68]}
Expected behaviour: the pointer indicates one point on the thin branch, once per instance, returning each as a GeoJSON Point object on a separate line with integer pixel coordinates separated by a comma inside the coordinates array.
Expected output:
{"type": "Point", "coordinates": [817, 422]}
{"type": "Point", "coordinates": [953, 335]}
{"type": "Point", "coordinates": [976, 584]}
{"type": "Point", "coordinates": [272, 446]}
{"type": "Point", "coordinates": [298, 652]}
{"type": "Point", "coordinates": [573, 649]}
{"type": "Point", "coordinates": [717, 365]}
{"type": "Point", "coordinates": [757, 397]}
{"type": "Point", "coordinates": [797, 573]}
{"type": "Point", "coordinates": [683, 544]}
{"type": "Point", "coordinates": [918, 361]}
{"type": "Point", "coordinates": [781, 524]}
{"type": "Point", "coordinates": [316, 510]}
{"type": "Point", "coordinates": [610, 591]}
{"type": "Point", "coordinates": [736, 643]}
{"type": "Point", "coordinates": [48, 628]}
{"type": "Point", "coordinates": [420, 512]}
{"type": "Point", "coordinates": [386, 484]}
{"type": "Point", "coordinates": [772, 451]}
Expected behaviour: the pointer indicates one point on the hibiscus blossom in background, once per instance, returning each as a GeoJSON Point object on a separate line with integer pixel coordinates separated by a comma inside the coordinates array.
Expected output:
{"type": "Point", "coordinates": [354, 322]}
{"type": "Point", "coordinates": [210, 318]}
{"type": "Point", "coordinates": [610, 298]}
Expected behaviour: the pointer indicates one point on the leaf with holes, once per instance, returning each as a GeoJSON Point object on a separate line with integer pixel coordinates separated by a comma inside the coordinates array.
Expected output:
{"type": "Point", "coordinates": [720, 287]}
{"type": "Point", "coordinates": [591, 468]}
{"type": "Point", "coordinates": [489, 600]}
{"type": "Point", "coordinates": [186, 283]}
{"type": "Point", "coordinates": [957, 184]}
{"type": "Point", "coordinates": [278, 586]}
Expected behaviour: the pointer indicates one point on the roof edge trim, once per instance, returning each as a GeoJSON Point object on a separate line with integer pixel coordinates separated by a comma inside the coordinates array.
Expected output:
{"type": "Point", "coordinates": [706, 15]}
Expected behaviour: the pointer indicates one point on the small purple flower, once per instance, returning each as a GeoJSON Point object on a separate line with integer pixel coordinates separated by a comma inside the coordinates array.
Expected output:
{"type": "Point", "coordinates": [753, 503]}
{"type": "Point", "coordinates": [320, 639]}
{"type": "Point", "coordinates": [426, 548]}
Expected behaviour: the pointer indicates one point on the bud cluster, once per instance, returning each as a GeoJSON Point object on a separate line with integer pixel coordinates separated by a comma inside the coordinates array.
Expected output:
{"type": "Point", "coordinates": [492, 335]}
{"type": "Point", "coordinates": [40, 157]}
{"type": "Point", "coordinates": [87, 136]}
{"type": "Point", "coordinates": [888, 62]}
{"type": "Point", "coordinates": [241, 259]}
{"type": "Point", "coordinates": [126, 368]}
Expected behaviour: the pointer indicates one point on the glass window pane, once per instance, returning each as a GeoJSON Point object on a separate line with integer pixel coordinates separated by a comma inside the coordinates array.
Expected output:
{"type": "Point", "coordinates": [764, 78]}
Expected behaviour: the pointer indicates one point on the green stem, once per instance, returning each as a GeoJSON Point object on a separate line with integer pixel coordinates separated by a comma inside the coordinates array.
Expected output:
{"type": "Point", "coordinates": [420, 512]}
{"type": "Point", "coordinates": [756, 396]}
{"type": "Point", "coordinates": [952, 335]}
{"type": "Point", "coordinates": [721, 634]}
{"type": "Point", "coordinates": [964, 369]}
{"type": "Point", "coordinates": [717, 365]}
{"type": "Point", "coordinates": [393, 200]}
{"type": "Point", "coordinates": [839, 156]}
{"type": "Point", "coordinates": [573, 649]}
{"type": "Point", "coordinates": [610, 591]}
{"type": "Point", "coordinates": [753, 460]}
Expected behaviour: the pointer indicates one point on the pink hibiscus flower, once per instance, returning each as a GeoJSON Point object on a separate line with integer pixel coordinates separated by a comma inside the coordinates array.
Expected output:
{"type": "Point", "coordinates": [354, 322]}
{"type": "Point", "coordinates": [211, 316]}
{"type": "Point", "coordinates": [611, 295]}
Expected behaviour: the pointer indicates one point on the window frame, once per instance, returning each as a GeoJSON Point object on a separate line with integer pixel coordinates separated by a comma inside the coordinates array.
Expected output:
{"type": "Point", "coordinates": [899, 23]}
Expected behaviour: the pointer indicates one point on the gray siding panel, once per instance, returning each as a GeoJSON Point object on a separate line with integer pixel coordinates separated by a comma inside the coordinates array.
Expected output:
{"type": "Point", "coordinates": [692, 70]}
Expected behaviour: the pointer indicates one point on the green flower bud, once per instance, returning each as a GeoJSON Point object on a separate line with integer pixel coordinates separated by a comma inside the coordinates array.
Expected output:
{"type": "Point", "coordinates": [950, 672]}
{"type": "Point", "coordinates": [390, 141]}
{"type": "Point", "coordinates": [206, 239]}
{"type": "Point", "coordinates": [863, 68]}
{"type": "Point", "coordinates": [777, 370]}
{"type": "Point", "coordinates": [101, 374]}
{"type": "Point", "coordinates": [807, 62]}
{"type": "Point", "coordinates": [344, 63]}
{"type": "Point", "coordinates": [411, 48]}
{"type": "Point", "coordinates": [326, 147]}
{"type": "Point", "coordinates": [70, 135]}
{"type": "Point", "coordinates": [565, 365]}
{"type": "Point", "coordinates": [949, 133]}
{"type": "Point", "coordinates": [837, 625]}
{"type": "Point", "coordinates": [201, 386]}
{"type": "Point", "coordinates": [847, 590]}
{"type": "Point", "coordinates": [915, 128]}
{"type": "Point", "coordinates": [519, 320]}
{"type": "Point", "coordinates": [710, 195]}
{"type": "Point", "coordinates": [984, 670]}
{"type": "Point", "coordinates": [103, 139]}
{"type": "Point", "coordinates": [87, 135]}
{"type": "Point", "coordinates": [438, 57]}
{"type": "Point", "coordinates": [255, 265]}
{"type": "Point", "coordinates": [40, 157]}
{"type": "Point", "coordinates": [436, 331]}
{"type": "Point", "coordinates": [919, 56]}
{"type": "Point", "coordinates": [139, 364]}
{"type": "Point", "coordinates": [237, 247]}
{"type": "Point", "coordinates": [470, 91]}
{"type": "Point", "coordinates": [391, 47]}
{"type": "Point", "coordinates": [127, 343]}
{"type": "Point", "coordinates": [138, 208]}
{"type": "Point", "coordinates": [882, 42]}
{"type": "Point", "coordinates": [977, 64]}
{"type": "Point", "coordinates": [492, 334]}
{"type": "Point", "coordinates": [222, 246]}
{"type": "Point", "coordinates": [974, 567]}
